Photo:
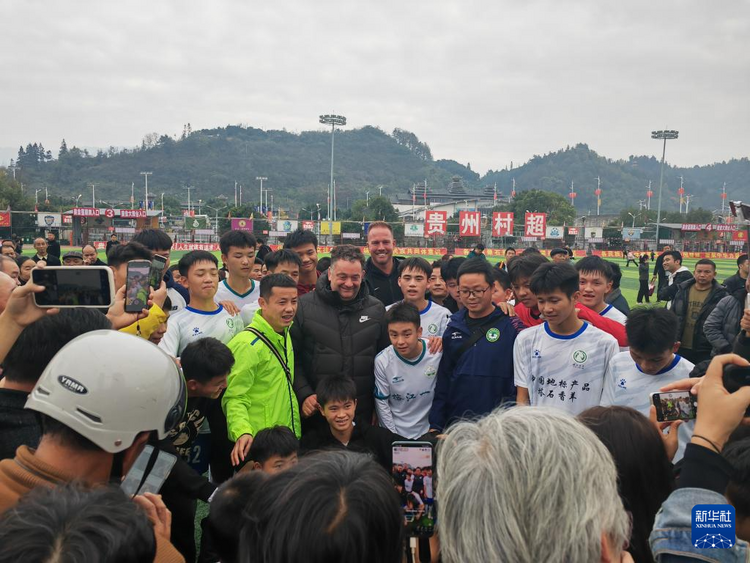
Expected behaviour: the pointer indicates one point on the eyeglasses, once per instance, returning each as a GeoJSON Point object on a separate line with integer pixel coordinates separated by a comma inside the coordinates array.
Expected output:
{"type": "Point", "coordinates": [473, 292]}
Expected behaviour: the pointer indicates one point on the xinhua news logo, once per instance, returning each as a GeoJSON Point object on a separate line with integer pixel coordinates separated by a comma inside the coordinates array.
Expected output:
{"type": "Point", "coordinates": [713, 526]}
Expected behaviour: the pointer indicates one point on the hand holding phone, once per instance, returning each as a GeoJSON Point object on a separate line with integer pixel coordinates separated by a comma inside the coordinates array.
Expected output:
{"type": "Point", "coordinates": [137, 286]}
{"type": "Point", "coordinates": [74, 286]}
{"type": "Point", "coordinates": [674, 405]}
{"type": "Point", "coordinates": [134, 482]}
{"type": "Point", "coordinates": [413, 475]}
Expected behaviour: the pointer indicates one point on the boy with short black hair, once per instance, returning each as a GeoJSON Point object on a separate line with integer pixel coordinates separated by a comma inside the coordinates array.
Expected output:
{"type": "Point", "coordinates": [273, 450]}
{"type": "Point", "coordinates": [526, 306]}
{"type": "Point", "coordinates": [595, 278]}
{"type": "Point", "coordinates": [238, 256]}
{"type": "Point", "coordinates": [256, 273]}
{"type": "Point", "coordinates": [203, 317]}
{"type": "Point", "coordinates": [449, 273]}
{"type": "Point", "coordinates": [405, 374]}
{"type": "Point", "coordinates": [502, 292]}
{"type": "Point", "coordinates": [650, 364]}
{"type": "Point", "coordinates": [278, 262]}
{"type": "Point", "coordinates": [305, 245]}
{"type": "Point", "coordinates": [337, 400]}
{"type": "Point", "coordinates": [562, 362]}
{"type": "Point", "coordinates": [413, 279]}
{"type": "Point", "coordinates": [206, 363]}
{"type": "Point", "coordinates": [438, 289]}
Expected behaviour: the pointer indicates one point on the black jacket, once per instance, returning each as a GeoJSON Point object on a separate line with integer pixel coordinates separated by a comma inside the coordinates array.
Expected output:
{"type": "Point", "coordinates": [53, 248]}
{"type": "Point", "coordinates": [668, 292]}
{"type": "Point", "coordinates": [680, 308]}
{"type": "Point", "coordinates": [382, 287]}
{"type": "Point", "coordinates": [335, 337]}
{"type": "Point", "coordinates": [733, 283]}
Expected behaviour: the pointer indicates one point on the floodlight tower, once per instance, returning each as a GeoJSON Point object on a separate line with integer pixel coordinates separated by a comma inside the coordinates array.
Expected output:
{"type": "Point", "coordinates": [333, 121]}
{"type": "Point", "coordinates": [665, 135]}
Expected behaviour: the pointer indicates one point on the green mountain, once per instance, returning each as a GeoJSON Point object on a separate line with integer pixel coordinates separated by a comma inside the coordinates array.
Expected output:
{"type": "Point", "coordinates": [297, 166]}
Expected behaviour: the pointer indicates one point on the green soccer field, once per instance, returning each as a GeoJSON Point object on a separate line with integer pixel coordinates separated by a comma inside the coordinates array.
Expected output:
{"type": "Point", "coordinates": [629, 284]}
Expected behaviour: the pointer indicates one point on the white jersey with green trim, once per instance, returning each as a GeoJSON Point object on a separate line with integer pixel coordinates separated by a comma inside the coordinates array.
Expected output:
{"type": "Point", "coordinates": [433, 318]}
{"type": "Point", "coordinates": [226, 293]}
{"type": "Point", "coordinates": [563, 371]}
{"type": "Point", "coordinates": [189, 325]}
{"type": "Point", "coordinates": [404, 390]}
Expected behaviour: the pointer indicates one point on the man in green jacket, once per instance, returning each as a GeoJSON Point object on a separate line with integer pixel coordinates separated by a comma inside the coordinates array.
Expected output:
{"type": "Point", "coordinates": [259, 391]}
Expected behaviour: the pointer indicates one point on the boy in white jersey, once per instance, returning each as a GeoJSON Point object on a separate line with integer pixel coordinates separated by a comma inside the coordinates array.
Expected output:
{"type": "Point", "coordinates": [238, 256]}
{"type": "Point", "coordinates": [203, 317]}
{"type": "Point", "coordinates": [562, 362]}
{"type": "Point", "coordinates": [405, 374]}
{"type": "Point", "coordinates": [651, 363]}
{"type": "Point", "coordinates": [595, 276]}
{"type": "Point", "coordinates": [414, 280]}
{"type": "Point", "coordinates": [285, 262]}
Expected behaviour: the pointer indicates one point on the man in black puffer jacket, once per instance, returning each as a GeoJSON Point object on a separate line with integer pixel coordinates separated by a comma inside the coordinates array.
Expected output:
{"type": "Point", "coordinates": [338, 330]}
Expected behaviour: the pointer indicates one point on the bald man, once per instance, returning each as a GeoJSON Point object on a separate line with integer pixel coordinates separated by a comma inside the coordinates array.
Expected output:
{"type": "Point", "coordinates": [40, 245]}
{"type": "Point", "coordinates": [7, 285]}
{"type": "Point", "coordinates": [90, 256]}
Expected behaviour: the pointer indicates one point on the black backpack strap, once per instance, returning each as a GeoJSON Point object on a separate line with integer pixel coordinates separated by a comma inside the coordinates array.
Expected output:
{"type": "Point", "coordinates": [263, 338]}
{"type": "Point", "coordinates": [478, 333]}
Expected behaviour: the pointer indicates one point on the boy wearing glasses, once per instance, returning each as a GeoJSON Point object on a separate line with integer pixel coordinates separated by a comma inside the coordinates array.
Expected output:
{"type": "Point", "coordinates": [561, 363]}
{"type": "Point", "coordinates": [476, 371]}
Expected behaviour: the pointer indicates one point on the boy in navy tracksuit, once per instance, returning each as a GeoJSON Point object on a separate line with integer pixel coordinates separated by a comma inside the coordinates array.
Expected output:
{"type": "Point", "coordinates": [474, 378]}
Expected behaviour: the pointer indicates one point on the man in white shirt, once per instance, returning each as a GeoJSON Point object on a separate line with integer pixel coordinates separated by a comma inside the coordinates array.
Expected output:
{"type": "Point", "coordinates": [203, 317]}
{"type": "Point", "coordinates": [595, 282]}
{"type": "Point", "coordinates": [562, 362]}
{"type": "Point", "coordinates": [405, 375]}
{"type": "Point", "coordinates": [676, 274]}
{"type": "Point", "coordinates": [650, 364]}
{"type": "Point", "coordinates": [238, 256]}
{"type": "Point", "coordinates": [414, 280]}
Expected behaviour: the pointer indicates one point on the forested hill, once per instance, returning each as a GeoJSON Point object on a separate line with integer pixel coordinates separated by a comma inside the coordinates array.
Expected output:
{"type": "Point", "coordinates": [297, 166]}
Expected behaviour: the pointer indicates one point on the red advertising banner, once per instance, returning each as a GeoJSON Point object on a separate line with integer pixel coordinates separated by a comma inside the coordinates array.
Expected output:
{"type": "Point", "coordinates": [188, 213]}
{"type": "Point", "coordinates": [469, 223]}
{"type": "Point", "coordinates": [67, 219]}
{"type": "Point", "coordinates": [536, 225]}
{"type": "Point", "coordinates": [4, 218]}
{"type": "Point", "coordinates": [573, 231]}
{"type": "Point", "coordinates": [240, 224]}
{"type": "Point", "coordinates": [739, 235]}
{"type": "Point", "coordinates": [502, 224]}
{"type": "Point", "coordinates": [308, 225]}
{"type": "Point", "coordinates": [109, 213]}
{"type": "Point", "coordinates": [132, 213]}
{"type": "Point", "coordinates": [435, 223]}
{"type": "Point", "coordinates": [691, 227]}
{"type": "Point", "coordinates": [86, 212]}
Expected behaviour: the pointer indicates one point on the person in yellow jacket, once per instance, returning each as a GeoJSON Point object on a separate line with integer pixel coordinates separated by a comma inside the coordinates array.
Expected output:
{"type": "Point", "coordinates": [260, 390]}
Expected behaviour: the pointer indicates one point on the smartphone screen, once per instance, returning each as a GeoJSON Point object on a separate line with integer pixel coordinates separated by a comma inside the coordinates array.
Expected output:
{"type": "Point", "coordinates": [413, 475]}
{"type": "Point", "coordinates": [675, 405]}
{"type": "Point", "coordinates": [156, 477]}
{"type": "Point", "coordinates": [156, 273]}
{"type": "Point", "coordinates": [137, 289]}
{"type": "Point", "coordinates": [74, 286]}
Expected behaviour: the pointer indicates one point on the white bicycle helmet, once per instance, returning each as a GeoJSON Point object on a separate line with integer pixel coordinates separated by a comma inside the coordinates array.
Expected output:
{"type": "Point", "coordinates": [109, 386]}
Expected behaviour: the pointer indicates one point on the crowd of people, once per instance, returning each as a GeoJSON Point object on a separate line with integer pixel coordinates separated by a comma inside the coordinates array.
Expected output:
{"type": "Point", "coordinates": [278, 383]}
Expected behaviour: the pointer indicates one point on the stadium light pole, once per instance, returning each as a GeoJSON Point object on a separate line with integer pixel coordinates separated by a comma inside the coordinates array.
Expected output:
{"type": "Point", "coordinates": [665, 135]}
{"type": "Point", "coordinates": [333, 121]}
{"type": "Point", "coordinates": [261, 179]}
{"type": "Point", "coordinates": [145, 177]}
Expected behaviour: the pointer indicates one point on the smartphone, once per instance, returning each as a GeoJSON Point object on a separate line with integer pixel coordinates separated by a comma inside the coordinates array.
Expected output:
{"type": "Point", "coordinates": [736, 377]}
{"type": "Point", "coordinates": [74, 286]}
{"type": "Point", "coordinates": [413, 474]}
{"type": "Point", "coordinates": [157, 271]}
{"type": "Point", "coordinates": [675, 405]}
{"type": "Point", "coordinates": [137, 287]}
{"type": "Point", "coordinates": [161, 469]}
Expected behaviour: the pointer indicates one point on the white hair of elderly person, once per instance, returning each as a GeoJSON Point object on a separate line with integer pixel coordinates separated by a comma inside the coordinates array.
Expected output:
{"type": "Point", "coordinates": [528, 485]}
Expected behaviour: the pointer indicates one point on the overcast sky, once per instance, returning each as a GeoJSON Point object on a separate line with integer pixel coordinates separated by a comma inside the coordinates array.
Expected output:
{"type": "Point", "coordinates": [485, 82]}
